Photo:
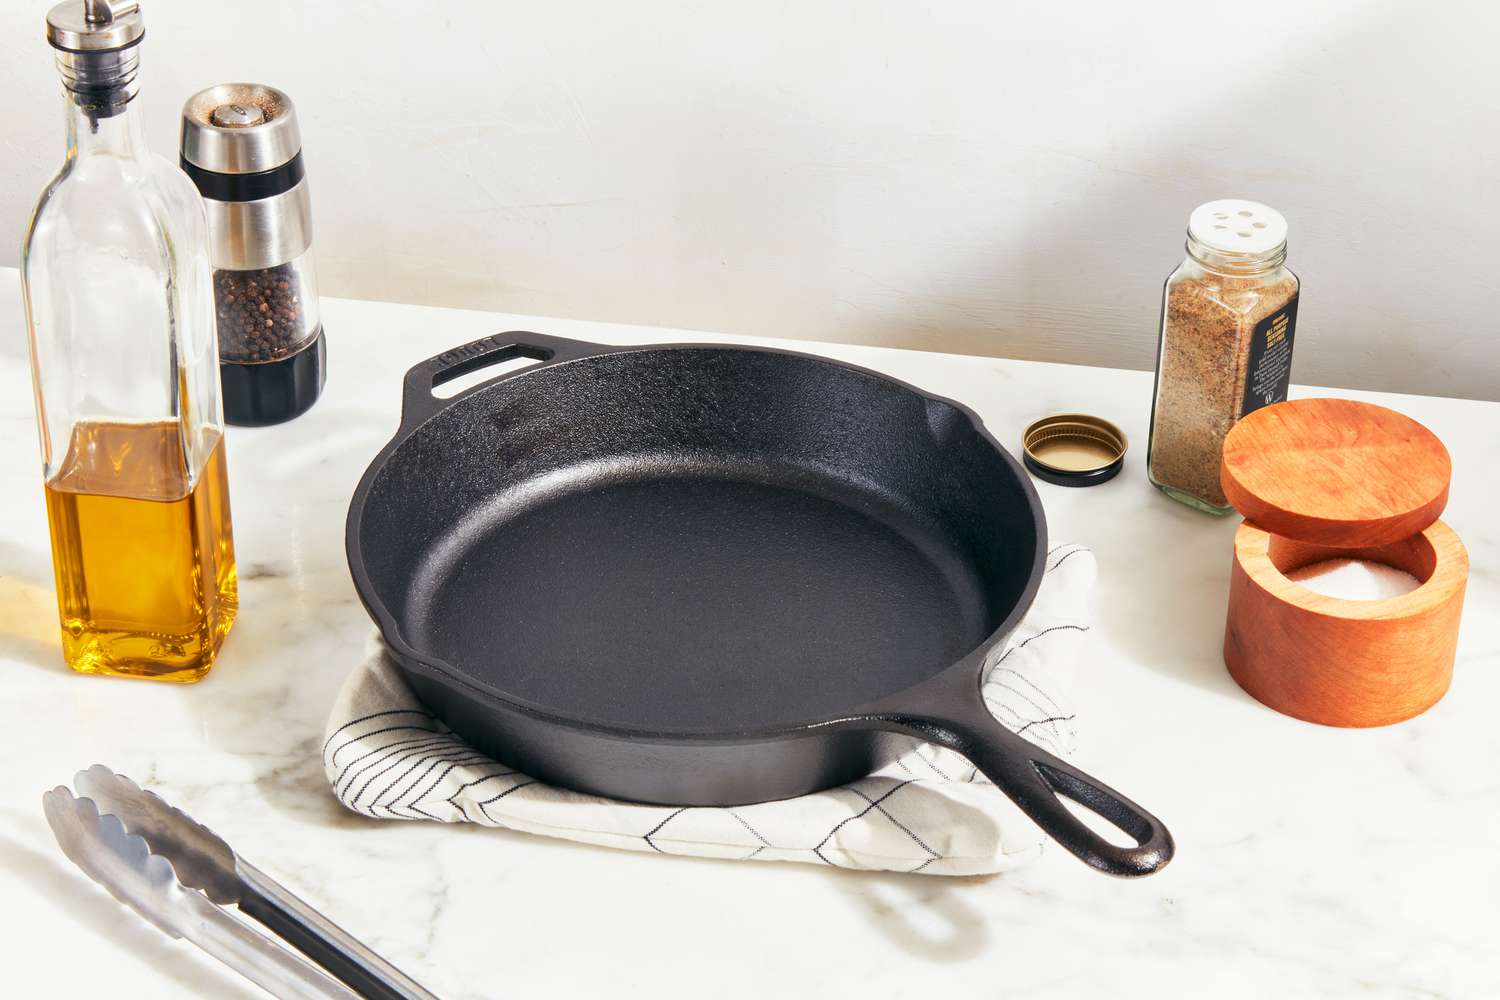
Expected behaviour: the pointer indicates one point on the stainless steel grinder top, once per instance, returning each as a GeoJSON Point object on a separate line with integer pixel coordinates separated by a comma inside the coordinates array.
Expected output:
{"type": "Point", "coordinates": [242, 147]}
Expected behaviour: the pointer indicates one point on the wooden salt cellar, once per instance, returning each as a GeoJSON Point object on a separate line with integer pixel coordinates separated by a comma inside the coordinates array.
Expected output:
{"type": "Point", "coordinates": [1325, 479]}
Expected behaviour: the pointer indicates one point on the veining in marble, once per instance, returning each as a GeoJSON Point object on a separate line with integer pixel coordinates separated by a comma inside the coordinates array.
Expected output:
{"type": "Point", "coordinates": [1312, 862]}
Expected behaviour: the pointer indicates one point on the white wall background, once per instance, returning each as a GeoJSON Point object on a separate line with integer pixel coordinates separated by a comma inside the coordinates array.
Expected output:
{"type": "Point", "coordinates": [994, 178]}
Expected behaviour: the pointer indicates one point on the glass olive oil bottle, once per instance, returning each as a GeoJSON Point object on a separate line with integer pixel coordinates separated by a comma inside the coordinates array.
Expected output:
{"type": "Point", "coordinates": [120, 312]}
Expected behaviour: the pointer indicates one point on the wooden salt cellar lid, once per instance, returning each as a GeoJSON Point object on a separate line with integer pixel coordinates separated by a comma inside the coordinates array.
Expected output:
{"type": "Point", "coordinates": [1335, 472]}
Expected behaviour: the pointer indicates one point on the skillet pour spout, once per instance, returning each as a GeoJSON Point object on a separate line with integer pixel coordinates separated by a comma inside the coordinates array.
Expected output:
{"type": "Point", "coordinates": [710, 575]}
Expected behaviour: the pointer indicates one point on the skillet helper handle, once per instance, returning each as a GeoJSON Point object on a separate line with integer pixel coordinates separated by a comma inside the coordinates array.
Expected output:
{"type": "Point", "coordinates": [334, 949]}
{"type": "Point", "coordinates": [417, 401]}
{"type": "Point", "coordinates": [1037, 782]}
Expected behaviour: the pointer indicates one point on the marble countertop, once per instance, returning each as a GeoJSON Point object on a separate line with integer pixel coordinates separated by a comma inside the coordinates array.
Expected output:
{"type": "Point", "coordinates": [1311, 862]}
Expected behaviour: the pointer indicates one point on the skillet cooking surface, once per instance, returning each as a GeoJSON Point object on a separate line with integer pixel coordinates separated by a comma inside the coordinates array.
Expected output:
{"type": "Point", "coordinates": [708, 598]}
{"type": "Point", "coordinates": [697, 539]}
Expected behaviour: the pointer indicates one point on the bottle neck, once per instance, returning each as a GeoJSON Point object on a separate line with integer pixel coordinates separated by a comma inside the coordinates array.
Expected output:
{"type": "Point", "coordinates": [119, 134]}
{"type": "Point", "coordinates": [1236, 263]}
{"type": "Point", "coordinates": [100, 89]}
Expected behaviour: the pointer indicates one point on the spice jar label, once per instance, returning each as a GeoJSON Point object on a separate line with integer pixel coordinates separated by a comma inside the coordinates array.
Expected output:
{"type": "Point", "coordinates": [1268, 370]}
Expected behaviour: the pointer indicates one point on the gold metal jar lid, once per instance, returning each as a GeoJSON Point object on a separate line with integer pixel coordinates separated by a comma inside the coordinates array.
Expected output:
{"type": "Point", "coordinates": [1074, 449]}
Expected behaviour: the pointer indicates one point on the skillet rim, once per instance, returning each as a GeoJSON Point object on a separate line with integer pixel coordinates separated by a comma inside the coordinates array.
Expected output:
{"type": "Point", "coordinates": [441, 671]}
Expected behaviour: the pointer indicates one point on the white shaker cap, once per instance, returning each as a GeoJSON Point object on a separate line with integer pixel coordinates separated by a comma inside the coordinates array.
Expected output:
{"type": "Point", "coordinates": [1236, 226]}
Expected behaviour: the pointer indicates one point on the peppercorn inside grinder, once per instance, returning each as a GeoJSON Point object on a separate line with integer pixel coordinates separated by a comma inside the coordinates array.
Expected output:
{"type": "Point", "coordinates": [241, 147]}
{"type": "Point", "coordinates": [1328, 479]}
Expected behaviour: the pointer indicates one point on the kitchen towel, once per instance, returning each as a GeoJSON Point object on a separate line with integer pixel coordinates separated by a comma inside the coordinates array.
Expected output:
{"type": "Point", "coordinates": [930, 811]}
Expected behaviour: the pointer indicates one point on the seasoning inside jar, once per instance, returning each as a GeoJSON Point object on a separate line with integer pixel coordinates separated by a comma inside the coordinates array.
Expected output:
{"type": "Point", "coordinates": [1229, 313]}
{"type": "Point", "coordinates": [265, 314]}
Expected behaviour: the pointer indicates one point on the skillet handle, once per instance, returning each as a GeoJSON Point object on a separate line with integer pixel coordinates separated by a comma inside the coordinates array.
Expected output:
{"type": "Point", "coordinates": [417, 401]}
{"type": "Point", "coordinates": [1034, 779]}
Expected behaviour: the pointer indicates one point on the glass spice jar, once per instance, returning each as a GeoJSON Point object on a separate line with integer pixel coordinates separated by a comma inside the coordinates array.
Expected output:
{"type": "Point", "coordinates": [1228, 317]}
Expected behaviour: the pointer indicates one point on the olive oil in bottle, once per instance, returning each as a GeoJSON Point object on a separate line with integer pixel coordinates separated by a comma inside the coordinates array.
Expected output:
{"type": "Point", "coordinates": [124, 361]}
{"type": "Point", "coordinates": [143, 553]}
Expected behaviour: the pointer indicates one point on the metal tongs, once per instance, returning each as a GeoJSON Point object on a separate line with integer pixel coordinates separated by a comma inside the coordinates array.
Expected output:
{"type": "Point", "coordinates": [182, 877]}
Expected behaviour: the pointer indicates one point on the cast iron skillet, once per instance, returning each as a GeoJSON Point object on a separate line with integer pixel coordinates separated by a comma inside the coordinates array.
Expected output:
{"type": "Point", "coordinates": [708, 575]}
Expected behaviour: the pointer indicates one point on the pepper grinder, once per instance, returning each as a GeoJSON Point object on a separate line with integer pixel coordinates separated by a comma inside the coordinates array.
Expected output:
{"type": "Point", "coordinates": [242, 148]}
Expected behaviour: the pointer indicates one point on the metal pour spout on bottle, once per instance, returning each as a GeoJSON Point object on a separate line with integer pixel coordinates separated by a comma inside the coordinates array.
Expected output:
{"type": "Point", "coordinates": [120, 314]}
